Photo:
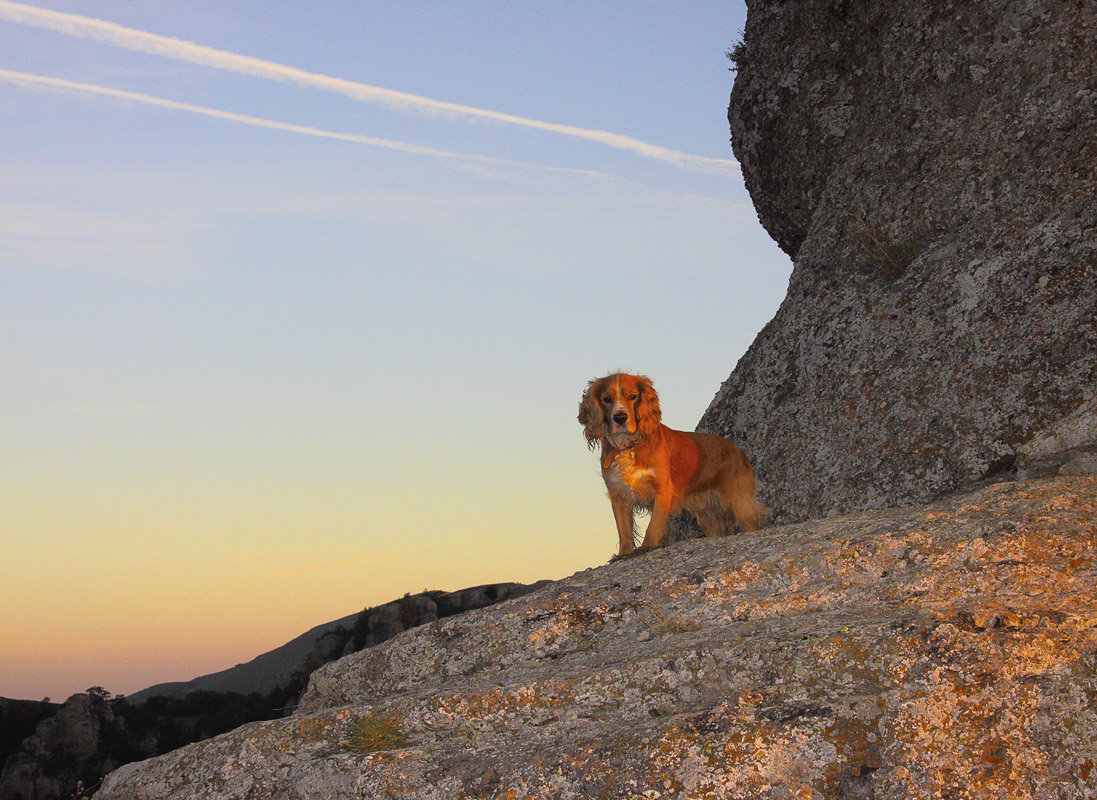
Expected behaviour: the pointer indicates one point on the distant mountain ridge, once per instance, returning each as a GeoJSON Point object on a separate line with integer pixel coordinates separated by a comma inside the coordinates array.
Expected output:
{"type": "Point", "coordinates": [263, 674]}
{"type": "Point", "coordinates": [276, 668]}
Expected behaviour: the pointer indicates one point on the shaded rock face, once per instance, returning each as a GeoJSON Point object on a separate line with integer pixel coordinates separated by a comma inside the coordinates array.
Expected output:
{"type": "Point", "coordinates": [930, 167]}
{"type": "Point", "coordinates": [65, 748]}
{"type": "Point", "coordinates": [943, 651]}
{"type": "Point", "coordinates": [18, 720]}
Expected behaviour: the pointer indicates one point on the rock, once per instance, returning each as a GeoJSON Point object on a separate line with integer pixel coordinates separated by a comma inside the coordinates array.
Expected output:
{"type": "Point", "coordinates": [1068, 447]}
{"type": "Point", "coordinates": [65, 748]}
{"type": "Point", "coordinates": [930, 169]}
{"type": "Point", "coordinates": [942, 651]}
{"type": "Point", "coordinates": [386, 621]}
{"type": "Point", "coordinates": [328, 646]}
{"type": "Point", "coordinates": [418, 609]}
{"type": "Point", "coordinates": [482, 596]}
{"type": "Point", "coordinates": [19, 719]}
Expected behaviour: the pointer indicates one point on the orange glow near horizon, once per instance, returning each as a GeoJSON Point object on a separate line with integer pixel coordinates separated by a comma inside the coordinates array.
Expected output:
{"type": "Point", "coordinates": [113, 594]}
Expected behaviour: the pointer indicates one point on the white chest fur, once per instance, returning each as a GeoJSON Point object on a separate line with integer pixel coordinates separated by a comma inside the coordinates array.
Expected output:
{"type": "Point", "coordinates": [624, 477]}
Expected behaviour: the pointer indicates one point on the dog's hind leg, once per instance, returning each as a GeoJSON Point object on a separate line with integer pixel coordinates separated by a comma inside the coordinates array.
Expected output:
{"type": "Point", "coordinates": [739, 497]}
{"type": "Point", "coordinates": [712, 521]}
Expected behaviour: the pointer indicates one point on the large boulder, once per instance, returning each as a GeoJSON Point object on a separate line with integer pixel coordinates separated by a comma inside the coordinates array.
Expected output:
{"type": "Point", "coordinates": [942, 651]}
{"type": "Point", "coordinates": [932, 170]}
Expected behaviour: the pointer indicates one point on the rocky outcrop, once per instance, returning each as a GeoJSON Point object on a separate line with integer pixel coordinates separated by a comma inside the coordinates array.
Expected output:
{"type": "Point", "coordinates": [67, 748]}
{"type": "Point", "coordinates": [1064, 448]}
{"type": "Point", "coordinates": [942, 651]}
{"type": "Point", "coordinates": [930, 167]}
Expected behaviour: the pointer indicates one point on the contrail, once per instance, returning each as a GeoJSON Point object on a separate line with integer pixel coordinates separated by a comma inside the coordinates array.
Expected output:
{"type": "Point", "coordinates": [42, 82]}
{"type": "Point", "coordinates": [141, 41]}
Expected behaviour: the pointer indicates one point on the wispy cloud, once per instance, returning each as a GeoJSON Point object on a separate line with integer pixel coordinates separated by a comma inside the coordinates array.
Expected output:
{"type": "Point", "coordinates": [27, 80]}
{"type": "Point", "coordinates": [168, 47]}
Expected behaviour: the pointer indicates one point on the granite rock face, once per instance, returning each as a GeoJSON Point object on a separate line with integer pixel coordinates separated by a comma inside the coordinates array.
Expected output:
{"type": "Point", "coordinates": [942, 651]}
{"type": "Point", "coordinates": [931, 168]}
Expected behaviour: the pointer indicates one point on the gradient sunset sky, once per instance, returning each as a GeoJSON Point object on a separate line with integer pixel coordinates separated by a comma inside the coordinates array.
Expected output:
{"type": "Point", "coordinates": [298, 299]}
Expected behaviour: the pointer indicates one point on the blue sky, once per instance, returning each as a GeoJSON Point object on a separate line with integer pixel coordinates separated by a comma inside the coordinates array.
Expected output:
{"type": "Point", "coordinates": [261, 372]}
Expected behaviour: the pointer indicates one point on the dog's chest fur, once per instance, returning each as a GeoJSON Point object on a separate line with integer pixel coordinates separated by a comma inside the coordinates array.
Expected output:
{"type": "Point", "coordinates": [625, 478]}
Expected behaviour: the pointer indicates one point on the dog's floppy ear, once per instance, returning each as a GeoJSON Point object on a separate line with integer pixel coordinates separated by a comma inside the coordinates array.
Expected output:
{"type": "Point", "coordinates": [648, 413]}
{"type": "Point", "coordinates": [591, 416]}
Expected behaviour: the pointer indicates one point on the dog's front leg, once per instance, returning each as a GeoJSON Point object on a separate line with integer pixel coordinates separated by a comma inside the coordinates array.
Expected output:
{"type": "Point", "coordinates": [622, 512]}
{"type": "Point", "coordinates": [660, 513]}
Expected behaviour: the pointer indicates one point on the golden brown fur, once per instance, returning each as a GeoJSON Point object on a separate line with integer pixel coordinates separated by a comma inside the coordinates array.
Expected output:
{"type": "Point", "coordinates": [645, 464]}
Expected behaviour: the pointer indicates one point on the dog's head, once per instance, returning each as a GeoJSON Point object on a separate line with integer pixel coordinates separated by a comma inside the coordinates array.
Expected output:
{"type": "Point", "coordinates": [619, 408]}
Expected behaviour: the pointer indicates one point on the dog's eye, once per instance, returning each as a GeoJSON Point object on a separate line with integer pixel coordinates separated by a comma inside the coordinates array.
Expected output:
{"type": "Point", "coordinates": [607, 399]}
{"type": "Point", "coordinates": [632, 397]}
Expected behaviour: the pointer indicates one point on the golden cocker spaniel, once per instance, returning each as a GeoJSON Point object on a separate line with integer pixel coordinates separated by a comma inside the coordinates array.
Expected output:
{"type": "Point", "coordinates": [647, 465]}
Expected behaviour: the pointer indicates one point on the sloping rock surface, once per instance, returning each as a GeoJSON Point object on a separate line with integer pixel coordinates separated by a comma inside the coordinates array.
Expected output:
{"type": "Point", "coordinates": [942, 651]}
{"type": "Point", "coordinates": [930, 167]}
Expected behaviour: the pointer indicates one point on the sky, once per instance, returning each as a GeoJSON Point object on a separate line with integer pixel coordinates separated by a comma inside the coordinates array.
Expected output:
{"type": "Point", "coordinates": [298, 300]}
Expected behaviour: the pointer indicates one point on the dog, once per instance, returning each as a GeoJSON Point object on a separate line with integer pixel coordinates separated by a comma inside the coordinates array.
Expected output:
{"type": "Point", "coordinates": [647, 465]}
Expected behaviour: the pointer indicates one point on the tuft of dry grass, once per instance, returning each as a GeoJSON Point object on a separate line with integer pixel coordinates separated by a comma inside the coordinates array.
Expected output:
{"type": "Point", "coordinates": [886, 254]}
{"type": "Point", "coordinates": [369, 733]}
{"type": "Point", "coordinates": [658, 621]}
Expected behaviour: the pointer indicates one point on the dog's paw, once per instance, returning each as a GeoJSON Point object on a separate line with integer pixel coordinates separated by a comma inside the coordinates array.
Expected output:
{"type": "Point", "coordinates": [635, 552]}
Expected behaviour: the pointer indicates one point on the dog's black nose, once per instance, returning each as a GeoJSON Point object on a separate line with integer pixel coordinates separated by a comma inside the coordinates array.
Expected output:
{"type": "Point", "coordinates": [620, 417]}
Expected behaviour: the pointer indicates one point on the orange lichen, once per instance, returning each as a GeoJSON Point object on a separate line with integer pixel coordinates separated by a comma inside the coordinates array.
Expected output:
{"type": "Point", "coordinates": [319, 725]}
{"type": "Point", "coordinates": [499, 702]}
{"type": "Point", "coordinates": [568, 620]}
